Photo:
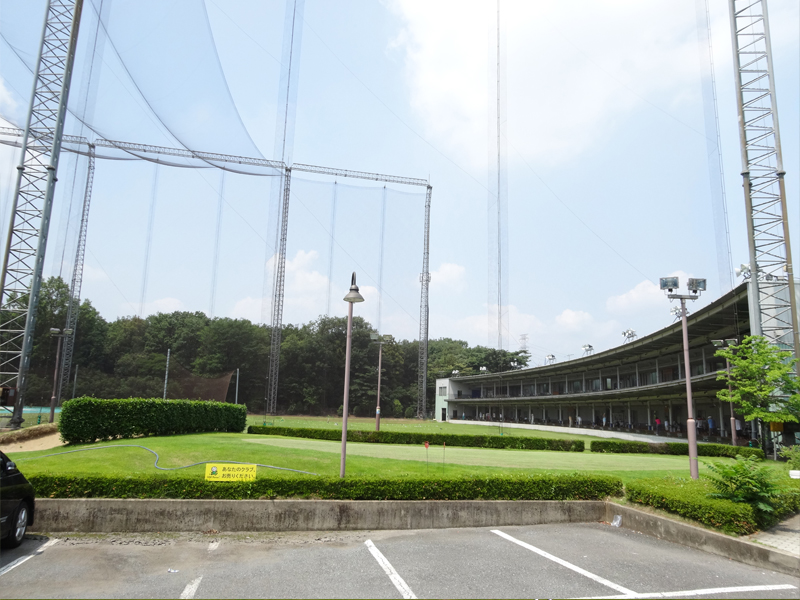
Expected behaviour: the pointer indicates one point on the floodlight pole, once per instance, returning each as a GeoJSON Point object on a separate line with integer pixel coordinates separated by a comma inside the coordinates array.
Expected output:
{"type": "Point", "coordinates": [733, 417]}
{"type": "Point", "coordinates": [54, 397]}
{"type": "Point", "coordinates": [166, 375]}
{"type": "Point", "coordinates": [691, 431]}
{"type": "Point", "coordinates": [378, 407]}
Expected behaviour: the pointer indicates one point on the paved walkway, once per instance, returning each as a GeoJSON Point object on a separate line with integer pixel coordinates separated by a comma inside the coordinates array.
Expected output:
{"type": "Point", "coordinates": [784, 536]}
{"type": "Point", "coordinates": [619, 435]}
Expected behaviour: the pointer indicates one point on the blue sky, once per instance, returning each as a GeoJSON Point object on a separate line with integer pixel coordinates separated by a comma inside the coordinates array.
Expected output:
{"type": "Point", "coordinates": [607, 169]}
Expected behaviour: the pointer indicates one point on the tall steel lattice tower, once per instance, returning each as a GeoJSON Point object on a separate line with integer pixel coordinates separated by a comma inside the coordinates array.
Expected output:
{"type": "Point", "coordinates": [773, 302]}
{"type": "Point", "coordinates": [73, 308]}
{"type": "Point", "coordinates": [425, 280]}
{"type": "Point", "coordinates": [33, 198]}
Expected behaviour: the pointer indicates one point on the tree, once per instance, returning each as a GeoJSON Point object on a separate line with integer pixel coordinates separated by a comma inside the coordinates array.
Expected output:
{"type": "Point", "coordinates": [762, 380]}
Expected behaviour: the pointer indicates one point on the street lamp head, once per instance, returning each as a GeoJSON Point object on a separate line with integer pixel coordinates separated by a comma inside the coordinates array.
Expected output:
{"type": "Point", "coordinates": [353, 295]}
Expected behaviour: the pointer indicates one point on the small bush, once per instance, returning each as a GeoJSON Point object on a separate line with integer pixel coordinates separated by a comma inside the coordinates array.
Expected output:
{"type": "Point", "coordinates": [522, 487]}
{"type": "Point", "coordinates": [411, 412]}
{"type": "Point", "coordinates": [745, 481]}
{"type": "Point", "coordinates": [673, 448]}
{"type": "Point", "coordinates": [792, 456]}
{"type": "Point", "coordinates": [86, 420]}
{"type": "Point", "coordinates": [340, 410]}
{"type": "Point", "coordinates": [402, 437]}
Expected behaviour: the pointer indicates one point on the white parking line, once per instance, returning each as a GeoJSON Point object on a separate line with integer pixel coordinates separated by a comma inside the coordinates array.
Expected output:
{"type": "Point", "coordinates": [398, 582]}
{"type": "Point", "coordinates": [191, 589]}
{"type": "Point", "coordinates": [213, 546]}
{"type": "Point", "coordinates": [687, 593]}
{"type": "Point", "coordinates": [563, 563]}
{"type": "Point", "coordinates": [22, 559]}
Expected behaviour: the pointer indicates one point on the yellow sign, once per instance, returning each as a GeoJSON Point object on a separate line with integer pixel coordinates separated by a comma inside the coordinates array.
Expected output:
{"type": "Point", "coordinates": [224, 472]}
{"type": "Point", "coordinates": [776, 426]}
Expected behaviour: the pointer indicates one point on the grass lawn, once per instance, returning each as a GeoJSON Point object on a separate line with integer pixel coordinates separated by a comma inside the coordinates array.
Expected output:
{"type": "Point", "coordinates": [410, 425]}
{"type": "Point", "coordinates": [322, 457]}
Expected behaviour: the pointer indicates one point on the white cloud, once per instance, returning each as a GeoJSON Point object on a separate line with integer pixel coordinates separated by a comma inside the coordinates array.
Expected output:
{"type": "Point", "coordinates": [569, 79]}
{"type": "Point", "coordinates": [449, 278]}
{"type": "Point", "coordinates": [646, 296]}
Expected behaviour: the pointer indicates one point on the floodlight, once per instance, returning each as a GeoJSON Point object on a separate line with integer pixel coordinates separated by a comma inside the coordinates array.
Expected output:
{"type": "Point", "coordinates": [742, 270]}
{"type": "Point", "coordinates": [718, 343]}
{"type": "Point", "coordinates": [732, 342]}
{"type": "Point", "coordinates": [669, 283]}
{"type": "Point", "coordinates": [54, 331]}
{"type": "Point", "coordinates": [373, 336]}
{"type": "Point", "coordinates": [484, 369]}
{"type": "Point", "coordinates": [696, 285]}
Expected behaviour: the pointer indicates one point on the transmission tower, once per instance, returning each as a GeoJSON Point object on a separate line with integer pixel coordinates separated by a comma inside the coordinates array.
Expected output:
{"type": "Point", "coordinates": [33, 198]}
{"type": "Point", "coordinates": [774, 310]}
{"type": "Point", "coordinates": [73, 308]}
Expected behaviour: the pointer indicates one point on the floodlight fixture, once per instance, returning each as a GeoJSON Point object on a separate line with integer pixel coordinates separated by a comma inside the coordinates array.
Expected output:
{"type": "Point", "coordinates": [629, 335]}
{"type": "Point", "coordinates": [696, 285]}
{"type": "Point", "coordinates": [483, 370]}
{"type": "Point", "coordinates": [455, 371]}
{"type": "Point", "coordinates": [373, 336]}
{"type": "Point", "coordinates": [587, 349]}
{"type": "Point", "coordinates": [742, 270]}
{"type": "Point", "coordinates": [718, 343]}
{"type": "Point", "coordinates": [550, 358]}
{"type": "Point", "coordinates": [669, 283]}
{"type": "Point", "coordinates": [54, 331]}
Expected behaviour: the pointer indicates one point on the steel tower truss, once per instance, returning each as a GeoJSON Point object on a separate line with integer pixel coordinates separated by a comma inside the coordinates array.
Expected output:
{"type": "Point", "coordinates": [33, 199]}
{"type": "Point", "coordinates": [425, 280]}
{"type": "Point", "coordinates": [73, 308]}
{"type": "Point", "coordinates": [772, 279]}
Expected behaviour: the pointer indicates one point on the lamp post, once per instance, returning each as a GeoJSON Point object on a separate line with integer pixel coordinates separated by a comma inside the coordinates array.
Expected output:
{"type": "Point", "coordinates": [60, 334]}
{"type": "Point", "coordinates": [696, 286]}
{"type": "Point", "coordinates": [723, 344]}
{"type": "Point", "coordinates": [352, 297]}
{"type": "Point", "coordinates": [380, 340]}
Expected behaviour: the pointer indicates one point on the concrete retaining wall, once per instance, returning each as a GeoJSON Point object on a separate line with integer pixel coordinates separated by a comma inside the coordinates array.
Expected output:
{"type": "Point", "coordinates": [703, 539]}
{"type": "Point", "coordinates": [108, 515]}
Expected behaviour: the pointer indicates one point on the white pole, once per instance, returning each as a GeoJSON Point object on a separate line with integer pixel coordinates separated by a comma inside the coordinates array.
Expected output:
{"type": "Point", "coordinates": [166, 375]}
{"type": "Point", "coordinates": [237, 385]}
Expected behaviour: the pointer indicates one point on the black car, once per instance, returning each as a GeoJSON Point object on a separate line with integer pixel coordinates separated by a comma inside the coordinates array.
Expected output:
{"type": "Point", "coordinates": [16, 503]}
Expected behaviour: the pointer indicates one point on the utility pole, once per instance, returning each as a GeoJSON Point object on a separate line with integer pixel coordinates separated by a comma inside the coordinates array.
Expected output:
{"type": "Point", "coordinates": [166, 375]}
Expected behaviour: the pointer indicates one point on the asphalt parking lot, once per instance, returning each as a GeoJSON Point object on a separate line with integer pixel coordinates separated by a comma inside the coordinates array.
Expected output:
{"type": "Point", "coordinates": [544, 561]}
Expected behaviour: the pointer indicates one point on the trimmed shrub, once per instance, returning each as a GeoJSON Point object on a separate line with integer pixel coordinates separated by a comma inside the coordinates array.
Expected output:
{"type": "Point", "coordinates": [401, 437]}
{"type": "Point", "coordinates": [673, 448]}
{"type": "Point", "coordinates": [690, 499]}
{"type": "Point", "coordinates": [523, 487]}
{"type": "Point", "coordinates": [86, 420]}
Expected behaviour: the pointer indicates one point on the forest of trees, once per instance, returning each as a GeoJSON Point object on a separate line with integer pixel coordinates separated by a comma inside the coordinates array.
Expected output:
{"type": "Point", "coordinates": [127, 357]}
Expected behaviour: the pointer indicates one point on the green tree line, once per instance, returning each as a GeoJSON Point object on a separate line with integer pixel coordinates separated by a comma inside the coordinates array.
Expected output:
{"type": "Point", "coordinates": [127, 358]}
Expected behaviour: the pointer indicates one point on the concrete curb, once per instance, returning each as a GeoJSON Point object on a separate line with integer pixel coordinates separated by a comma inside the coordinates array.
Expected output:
{"type": "Point", "coordinates": [703, 539]}
{"type": "Point", "coordinates": [108, 515]}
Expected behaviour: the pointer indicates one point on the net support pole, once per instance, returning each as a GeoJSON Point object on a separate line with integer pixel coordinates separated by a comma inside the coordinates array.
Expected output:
{"type": "Point", "coordinates": [73, 308]}
{"type": "Point", "coordinates": [23, 262]}
{"type": "Point", "coordinates": [166, 375]}
{"type": "Point", "coordinates": [277, 300]}
{"type": "Point", "coordinates": [425, 279]}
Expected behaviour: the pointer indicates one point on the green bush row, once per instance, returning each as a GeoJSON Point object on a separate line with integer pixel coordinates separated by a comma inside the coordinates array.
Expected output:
{"type": "Point", "coordinates": [690, 500]}
{"type": "Point", "coordinates": [521, 487]}
{"type": "Point", "coordinates": [674, 448]}
{"type": "Point", "coordinates": [85, 420]}
{"type": "Point", "coordinates": [436, 439]}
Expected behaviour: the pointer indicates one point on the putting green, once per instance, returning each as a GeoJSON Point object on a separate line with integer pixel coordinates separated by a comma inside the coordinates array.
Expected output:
{"type": "Point", "coordinates": [489, 457]}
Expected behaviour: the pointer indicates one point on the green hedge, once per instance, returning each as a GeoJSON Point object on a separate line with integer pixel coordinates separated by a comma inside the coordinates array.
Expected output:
{"type": "Point", "coordinates": [690, 499]}
{"type": "Point", "coordinates": [674, 448]}
{"type": "Point", "coordinates": [85, 420]}
{"type": "Point", "coordinates": [435, 439]}
{"type": "Point", "coordinates": [522, 487]}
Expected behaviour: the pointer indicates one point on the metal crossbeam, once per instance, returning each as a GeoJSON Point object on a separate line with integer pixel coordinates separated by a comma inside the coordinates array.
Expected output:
{"type": "Point", "coordinates": [425, 279]}
{"type": "Point", "coordinates": [33, 199]}
{"type": "Point", "coordinates": [359, 175]}
{"type": "Point", "coordinates": [774, 312]}
{"type": "Point", "coordinates": [73, 308]}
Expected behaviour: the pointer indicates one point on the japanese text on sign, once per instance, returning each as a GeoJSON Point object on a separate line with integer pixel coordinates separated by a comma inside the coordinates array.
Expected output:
{"type": "Point", "coordinates": [218, 472]}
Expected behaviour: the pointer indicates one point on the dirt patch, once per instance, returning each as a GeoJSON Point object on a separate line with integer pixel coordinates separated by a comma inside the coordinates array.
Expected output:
{"type": "Point", "coordinates": [29, 433]}
{"type": "Point", "coordinates": [50, 440]}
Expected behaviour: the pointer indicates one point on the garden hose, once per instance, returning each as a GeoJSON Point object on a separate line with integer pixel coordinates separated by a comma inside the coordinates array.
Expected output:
{"type": "Point", "coordinates": [155, 464]}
